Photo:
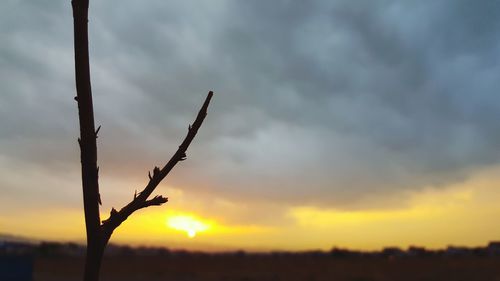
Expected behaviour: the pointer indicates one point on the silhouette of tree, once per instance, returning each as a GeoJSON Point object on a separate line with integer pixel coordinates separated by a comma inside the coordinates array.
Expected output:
{"type": "Point", "coordinates": [99, 233]}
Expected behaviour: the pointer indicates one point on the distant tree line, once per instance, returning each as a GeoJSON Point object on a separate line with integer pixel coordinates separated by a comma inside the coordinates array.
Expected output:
{"type": "Point", "coordinates": [55, 249]}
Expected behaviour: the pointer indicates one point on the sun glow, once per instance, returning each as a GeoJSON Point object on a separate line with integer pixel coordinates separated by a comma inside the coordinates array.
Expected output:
{"type": "Point", "coordinates": [188, 224]}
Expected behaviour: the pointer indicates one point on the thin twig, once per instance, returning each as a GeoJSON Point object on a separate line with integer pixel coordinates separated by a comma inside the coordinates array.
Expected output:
{"type": "Point", "coordinates": [141, 199]}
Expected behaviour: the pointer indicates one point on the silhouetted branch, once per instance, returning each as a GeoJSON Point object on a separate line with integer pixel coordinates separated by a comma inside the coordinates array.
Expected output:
{"type": "Point", "coordinates": [141, 199]}
{"type": "Point", "coordinates": [87, 142]}
{"type": "Point", "coordinates": [156, 201]}
{"type": "Point", "coordinates": [98, 234]}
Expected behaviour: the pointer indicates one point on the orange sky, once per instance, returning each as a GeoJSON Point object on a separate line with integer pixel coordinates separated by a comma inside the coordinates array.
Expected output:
{"type": "Point", "coordinates": [460, 214]}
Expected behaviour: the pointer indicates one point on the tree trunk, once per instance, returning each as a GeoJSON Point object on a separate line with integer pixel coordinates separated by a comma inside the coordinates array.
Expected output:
{"type": "Point", "coordinates": [87, 141]}
{"type": "Point", "coordinates": [93, 262]}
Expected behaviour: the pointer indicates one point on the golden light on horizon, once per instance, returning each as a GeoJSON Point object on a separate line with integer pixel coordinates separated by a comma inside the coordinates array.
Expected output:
{"type": "Point", "coordinates": [187, 223]}
{"type": "Point", "coordinates": [459, 214]}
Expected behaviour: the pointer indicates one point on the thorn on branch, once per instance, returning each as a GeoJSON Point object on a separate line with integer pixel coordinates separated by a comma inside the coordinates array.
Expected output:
{"type": "Point", "coordinates": [113, 212]}
{"type": "Point", "coordinates": [76, 98]}
{"type": "Point", "coordinates": [189, 127]}
{"type": "Point", "coordinates": [97, 131]}
{"type": "Point", "coordinates": [79, 142]}
{"type": "Point", "coordinates": [149, 175]}
{"type": "Point", "coordinates": [135, 194]}
{"type": "Point", "coordinates": [98, 194]}
{"type": "Point", "coordinates": [156, 171]}
{"type": "Point", "coordinates": [183, 156]}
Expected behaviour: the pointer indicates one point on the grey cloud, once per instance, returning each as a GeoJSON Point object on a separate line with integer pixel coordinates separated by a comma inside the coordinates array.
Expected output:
{"type": "Point", "coordinates": [319, 102]}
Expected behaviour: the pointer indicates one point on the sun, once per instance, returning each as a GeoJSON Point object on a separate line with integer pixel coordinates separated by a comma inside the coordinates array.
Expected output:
{"type": "Point", "coordinates": [188, 224]}
{"type": "Point", "coordinates": [191, 233]}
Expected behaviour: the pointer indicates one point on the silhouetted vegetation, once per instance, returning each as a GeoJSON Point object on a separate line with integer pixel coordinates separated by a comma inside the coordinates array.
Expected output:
{"type": "Point", "coordinates": [99, 232]}
{"type": "Point", "coordinates": [63, 261]}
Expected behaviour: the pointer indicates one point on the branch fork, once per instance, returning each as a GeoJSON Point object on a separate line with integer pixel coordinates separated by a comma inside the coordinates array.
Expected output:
{"type": "Point", "coordinates": [99, 233]}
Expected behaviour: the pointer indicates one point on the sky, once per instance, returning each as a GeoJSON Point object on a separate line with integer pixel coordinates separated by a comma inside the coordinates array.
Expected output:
{"type": "Point", "coordinates": [356, 124]}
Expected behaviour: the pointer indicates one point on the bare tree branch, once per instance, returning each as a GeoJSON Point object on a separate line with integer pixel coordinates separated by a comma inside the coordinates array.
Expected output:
{"type": "Point", "coordinates": [87, 142]}
{"type": "Point", "coordinates": [98, 234]}
{"type": "Point", "coordinates": [141, 199]}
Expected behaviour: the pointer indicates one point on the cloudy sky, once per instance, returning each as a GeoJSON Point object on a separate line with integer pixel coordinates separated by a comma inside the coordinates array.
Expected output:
{"type": "Point", "coordinates": [359, 124]}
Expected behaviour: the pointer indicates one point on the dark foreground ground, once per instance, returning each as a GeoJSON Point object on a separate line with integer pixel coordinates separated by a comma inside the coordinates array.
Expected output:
{"type": "Point", "coordinates": [274, 267]}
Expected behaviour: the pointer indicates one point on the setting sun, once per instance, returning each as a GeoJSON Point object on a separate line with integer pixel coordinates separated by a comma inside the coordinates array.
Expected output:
{"type": "Point", "coordinates": [186, 223]}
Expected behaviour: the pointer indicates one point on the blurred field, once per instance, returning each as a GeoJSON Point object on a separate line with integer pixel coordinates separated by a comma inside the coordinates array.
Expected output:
{"type": "Point", "coordinates": [274, 267]}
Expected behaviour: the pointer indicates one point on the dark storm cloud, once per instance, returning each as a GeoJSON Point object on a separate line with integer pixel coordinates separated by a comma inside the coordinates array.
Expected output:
{"type": "Point", "coordinates": [316, 102]}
